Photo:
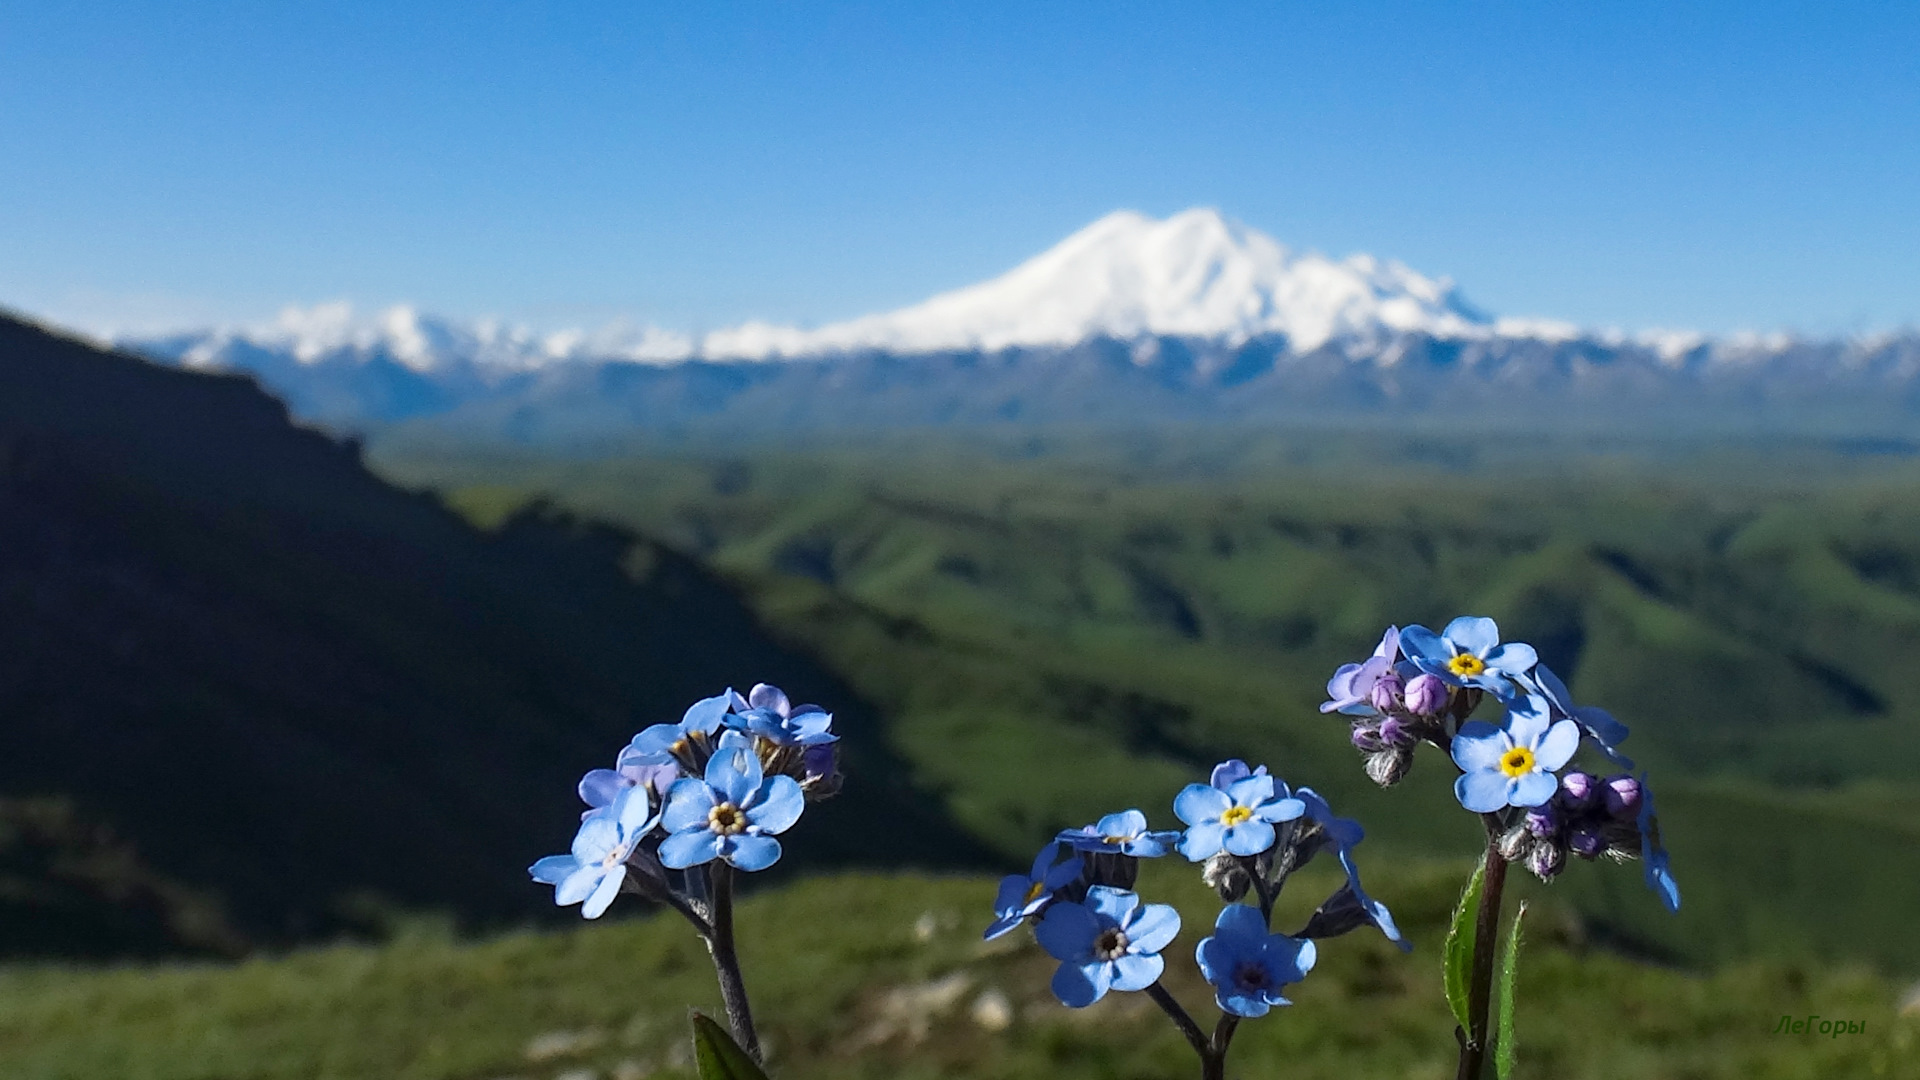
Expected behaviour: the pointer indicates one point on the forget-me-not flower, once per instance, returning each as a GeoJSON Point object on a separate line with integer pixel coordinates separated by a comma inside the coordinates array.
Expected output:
{"type": "Point", "coordinates": [1512, 765]}
{"type": "Point", "coordinates": [1351, 687]}
{"type": "Point", "coordinates": [1023, 896]}
{"type": "Point", "coordinates": [600, 787]}
{"type": "Point", "coordinates": [1247, 965]}
{"type": "Point", "coordinates": [1653, 854]}
{"type": "Point", "coordinates": [1237, 817]}
{"type": "Point", "coordinates": [591, 876]}
{"type": "Point", "coordinates": [1124, 833]}
{"type": "Point", "coordinates": [772, 717]}
{"type": "Point", "coordinates": [731, 814]}
{"type": "Point", "coordinates": [1599, 724]}
{"type": "Point", "coordinates": [1468, 653]}
{"type": "Point", "coordinates": [665, 744]}
{"type": "Point", "coordinates": [1342, 835]}
{"type": "Point", "coordinates": [1111, 941]}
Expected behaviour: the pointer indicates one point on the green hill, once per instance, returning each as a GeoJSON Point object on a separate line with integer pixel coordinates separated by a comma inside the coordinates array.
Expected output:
{"type": "Point", "coordinates": [250, 693]}
{"type": "Point", "coordinates": [1140, 608]}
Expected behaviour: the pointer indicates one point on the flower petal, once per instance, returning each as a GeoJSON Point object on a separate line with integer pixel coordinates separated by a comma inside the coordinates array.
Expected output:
{"type": "Point", "coordinates": [1136, 972]}
{"type": "Point", "coordinates": [1080, 985]}
{"type": "Point", "coordinates": [1112, 905]}
{"type": "Point", "coordinates": [600, 787]}
{"type": "Point", "coordinates": [777, 805]}
{"type": "Point", "coordinates": [1479, 746]}
{"type": "Point", "coordinates": [597, 836]}
{"type": "Point", "coordinates": [1476, 634]}
{"type": "Point", "coordinates": [690, 848]}
{"type": "Point", "coordinates": [596, 904]}
{"type": "Point", "coordinates": [1248, 838]}
{"type": "Point", "coordinates": [1067, 932]}
{"type": "Point", "coordinates": [765, 696]}
{"type": "Point", "coordinates": [1557, 745]}
{"type": "Point", "coordinates": [704, 716]}
{"type": "Point", "coordinates": [633, 810]}
{"type": "Point", "coordinates": [1251, 790]}
{"type": "Point", "coordinates": [1202, 840]}
{"type": "Point", "coordinates": [1418, 641]}
{"type": "Point", "coordinates": [1280, 810]}
{"type": "Point", "coordinates": [1528, 718]}
{"type": "Point", "coordinates": [1513, 658]}
{"type": "Point", "coordinates": [750, 852]}
{"type": "Point", "coordinates": [1153, 928]}
{"type": "Point", "coordinates": [735, 776]}
{"type": "Point", "coordinates": [553, 869]}
{"type": "Point", "coordinates": [1199, 803]}
{"type": "Point", "coordinates": [578, 885]}
{"type": "Point", "coordinates": [1239, 923]}
{"type": "Point", "coordinates": [1124, 823]}
{"type": "Point", "coordinates": [1481, 791]}
{"type": "Point", "coordinates": [1534, 788]}
{"type": "Point", "coordinates": [688, 803]}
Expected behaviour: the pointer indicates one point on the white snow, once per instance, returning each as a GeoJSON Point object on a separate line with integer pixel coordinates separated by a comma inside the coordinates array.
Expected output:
{"type": "Point", "coordinates": [1128, 276]}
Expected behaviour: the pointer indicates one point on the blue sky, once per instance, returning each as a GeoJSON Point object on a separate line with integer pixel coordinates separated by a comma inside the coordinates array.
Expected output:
{"type": "Point", "coordinates": [1715, 166]}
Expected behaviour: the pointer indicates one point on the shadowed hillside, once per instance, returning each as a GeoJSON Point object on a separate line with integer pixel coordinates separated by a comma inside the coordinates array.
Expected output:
{"type": "Point", "coordinates": [249, 692]}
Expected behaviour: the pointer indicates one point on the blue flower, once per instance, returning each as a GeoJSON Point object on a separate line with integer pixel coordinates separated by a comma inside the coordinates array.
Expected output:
{"type": "Point", "coordinates": [1112, 941]}
{"type": "Point", "coordinates": [1021, 897]}
{"type": "Point", "coordinates": [1342, 835]}
{"type": "Point", "coordinates": [600, 787]}
{"type": "Point", "coordinates": [1237, 816]}
{"type": "Point", "coordinates": [1514, 765]}
{"type": "Point", "coordinates": [1469, 653]}
{"type": "Point", "coordinates": [1653, 854]}
{"type": "Point", "coordinates": [591, 876]}
{"type": "Point", "coordinates": [664, 744]}
{"type": "Point", "coordinates": [770, 716]}
{"type": "Point", "coordinates": [1599, 724]}
{"type": "Point", "coordinates": [1125, 833]}
{"type": "Point", "coordinates": [732, 814]}
{"type": "Point", "coordinates": [1247, 966]}
{"type": "Point", "coordinates": [1351, 687]}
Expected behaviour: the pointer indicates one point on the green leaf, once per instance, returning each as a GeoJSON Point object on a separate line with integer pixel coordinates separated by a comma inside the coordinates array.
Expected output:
{"type": "Point", "coordinates": [1503, 1000]}
{"type": "Point", "coordinates": [717, 1056]}
{"type": "Point", "coordinates": [1459, 954]}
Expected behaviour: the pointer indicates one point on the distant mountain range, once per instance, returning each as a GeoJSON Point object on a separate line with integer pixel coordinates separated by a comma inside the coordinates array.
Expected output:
{"type": "Point", "coordinates": [1129, 320]}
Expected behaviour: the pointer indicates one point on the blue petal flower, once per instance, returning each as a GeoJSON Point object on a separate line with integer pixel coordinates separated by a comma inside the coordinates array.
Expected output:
{"type": "Point", "coordinates": [1469, 653]}
{"type": "Point", "coordinates": [1599, 725]}
{"type": "Point", "coordinates": [592, 874]}
{"type": "Point", "coordinates": [1512, 765]}
{"type": "Point", "coordinates": [1111, 941]}
{"type": "Point", "coordinates": [1238, 818]}
{"type": "Point", "coordinates": [1022, 896]}
{"type": "Point", "coordinates": [1352, 685]}
{"type": "Point", "coordinates": [732, 813]}
{"type": "Point", "coordinates": [771, 716]}
{"type": "Point", "coordinates": [1124, 833]}
{"type": "Point", "coordinates": [1343, 834]}
{"type": "Point", "coordinates": [1248, 966]}
{"type": "Point", "coordinates": [658, 745]}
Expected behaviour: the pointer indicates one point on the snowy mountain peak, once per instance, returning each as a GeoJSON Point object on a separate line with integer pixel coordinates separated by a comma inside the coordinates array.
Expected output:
{"type": "Point", "coordinates": [1195, 274]}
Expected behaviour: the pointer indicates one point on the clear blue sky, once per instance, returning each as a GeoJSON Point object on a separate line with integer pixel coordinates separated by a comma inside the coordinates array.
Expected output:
{"type": "Point", "coordinates": [1716, 166]}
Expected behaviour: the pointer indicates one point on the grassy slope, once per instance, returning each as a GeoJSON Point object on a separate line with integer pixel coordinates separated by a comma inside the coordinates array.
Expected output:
{"type": "Point", "coordinates": [1141, 619]}
{"type": "Point", "coordinates": [879, 976]}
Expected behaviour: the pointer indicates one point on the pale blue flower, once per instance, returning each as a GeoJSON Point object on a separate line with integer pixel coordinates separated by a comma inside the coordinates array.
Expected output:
{"type": "Point", "coordinates": [1248, 966]}
{"type": "Point", "coordinates": [592, 874]}
{"type": "Point", "coordinates": [1469, 653]}
{"type": "Point", "coordinates": [732, 814]}
{"type": "Point", "coordinates": [1512, 765]}
{"type": "Point", "coordinates": [1023, 896]}
{"type": "Point", "coordinates": [1111, 941]}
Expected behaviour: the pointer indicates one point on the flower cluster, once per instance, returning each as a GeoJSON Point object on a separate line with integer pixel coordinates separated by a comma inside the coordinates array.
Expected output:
{"type": "Point", "coordinates": [1248, 830]}
{"type": "Point", "coordinates": [718, 786]}
{"type": "Point", "coordinates": [1419, 686]}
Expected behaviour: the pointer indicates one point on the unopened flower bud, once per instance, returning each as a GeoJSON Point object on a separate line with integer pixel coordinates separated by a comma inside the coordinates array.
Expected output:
{"type": "Point", "coordinates": [1395, 732]}
{"type": "Point", "coordinates": [1426, 695]}
{"type": "Point", "coordinates": [1578, 791]}
{"type": "Point", "coordinates": [1546, 859]}
{"type": "Point", "coordinates": [1386, 692]}
{"type": "Point", "coordinates": [1586, 842]}
{"type": "Point", "coordinates": [1622, 795]}
{"type": "Point", "coordinates": [1514, 843]}
{"type": "Point", "coordinates": [1389, 767]}
{"type": "Point", "coordinates": [1366, 738]}
{"type": "Point", "coordinates": [1542, 822]}
{"type": "Point", "coordinates": [1227, 875]}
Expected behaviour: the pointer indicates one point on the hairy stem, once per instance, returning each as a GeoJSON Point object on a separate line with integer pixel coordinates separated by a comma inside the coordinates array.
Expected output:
{"type": "Point", "coordinates": [726, 962]}
{"type": "Point", "coordinates": [1181, 1019]}
{"type": "Point", "coordinates": [1486, 927]}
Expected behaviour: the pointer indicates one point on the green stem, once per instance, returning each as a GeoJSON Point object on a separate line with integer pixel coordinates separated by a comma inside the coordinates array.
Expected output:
{"type": "Point", "coordinates": [1486, 929]}
{"type": "Point", "coordinates": [726, 962]}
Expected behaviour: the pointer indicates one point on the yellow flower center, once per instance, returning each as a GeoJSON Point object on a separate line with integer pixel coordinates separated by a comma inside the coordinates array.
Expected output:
{"type": "Point", "coordinates": [726, 819]}
{"type": "Point", "coordinates": [1466, 665]}
{"type": "Point", "coordinates": [1236, 815]}
{"type": "Point", "coordinates": [1034, 892]}
{"type": "Point", "coordinates": [1517, 762]}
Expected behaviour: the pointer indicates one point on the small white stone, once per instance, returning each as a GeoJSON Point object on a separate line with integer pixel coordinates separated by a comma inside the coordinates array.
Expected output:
{"type": "Point", "coordinates": [992, 1011]}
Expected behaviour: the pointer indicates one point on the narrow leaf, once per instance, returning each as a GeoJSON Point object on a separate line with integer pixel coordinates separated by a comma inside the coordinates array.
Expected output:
{"type": "Point", "coordinates": [1503, 1000]}
{"type": "Point", "coordinates": [1458, 960]}
{"type": "Point", "coordinates": [717, 1056]}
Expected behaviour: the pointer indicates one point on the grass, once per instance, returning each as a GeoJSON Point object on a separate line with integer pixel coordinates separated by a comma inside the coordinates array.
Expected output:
{"type": "Point", "coordinates": [885, 976]}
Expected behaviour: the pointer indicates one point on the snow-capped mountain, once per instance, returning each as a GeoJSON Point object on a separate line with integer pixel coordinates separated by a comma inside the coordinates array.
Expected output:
{"type": "Point", "coordinates": [1129, 319]}
{"type": "Point", "coordinates": [1127, 276]}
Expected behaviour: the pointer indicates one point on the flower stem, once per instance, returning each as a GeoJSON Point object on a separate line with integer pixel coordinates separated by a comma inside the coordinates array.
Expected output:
{"type": "Point", "coordinates": [1473, 1049]}
{"type": "Point", "coordinates": [1212, 1051]}
{"type": "Point", "coordinates": [726, 962]}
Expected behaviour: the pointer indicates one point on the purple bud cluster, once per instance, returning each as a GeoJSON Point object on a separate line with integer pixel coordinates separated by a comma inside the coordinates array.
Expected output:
{"type": "Point", "coordinates": [1588, 816]}
{"type": "Point", "coordinates": [1405, 711]}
